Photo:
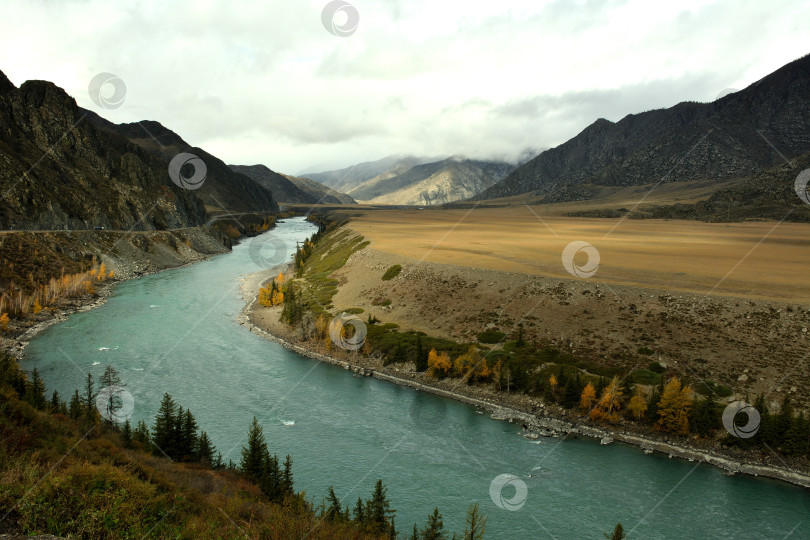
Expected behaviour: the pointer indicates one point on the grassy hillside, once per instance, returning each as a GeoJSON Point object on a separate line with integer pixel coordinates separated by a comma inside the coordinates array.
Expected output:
{"type": "Point", "coordinates": [64, 477]}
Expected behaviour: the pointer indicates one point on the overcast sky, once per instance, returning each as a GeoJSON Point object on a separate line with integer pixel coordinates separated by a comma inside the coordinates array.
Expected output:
{"type": "Point", "coordinates": [267, 82]}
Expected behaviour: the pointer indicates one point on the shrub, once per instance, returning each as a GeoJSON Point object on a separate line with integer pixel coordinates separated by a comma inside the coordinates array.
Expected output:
{"type": "Point", "coordinates": [646, 351]}
{"type": "Point", "coordinates": [491, 336]}
{"type": "Point", "coordinates": [392, 272]}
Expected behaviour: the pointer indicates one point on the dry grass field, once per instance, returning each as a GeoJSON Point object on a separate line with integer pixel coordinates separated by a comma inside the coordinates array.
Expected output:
{"type": "Point", "coordinates": [728, 303]}
{"type": "Point", "coordinates": [757, 260]}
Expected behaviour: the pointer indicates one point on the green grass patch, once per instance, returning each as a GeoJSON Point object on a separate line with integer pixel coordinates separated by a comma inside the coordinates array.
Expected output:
{"type": "Point", "coordinates": [392, 272]}
{"type": "Point", "coordinates": [710, 388]}
{"type": "Point", "coordinates": [381, 302]}
{"type": "Point", "coordinates": [646, 351]}
{"type": "Point", "coordinates": [645, 376]}
{"type": "Point", "coordinates": [353, 310]}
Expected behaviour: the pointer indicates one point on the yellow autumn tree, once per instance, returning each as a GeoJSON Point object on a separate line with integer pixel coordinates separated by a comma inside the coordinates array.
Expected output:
{"type": "Point", "coordinates": [553, 383]}
{"type": "Point", "coordinates": [609, 404]}
{"type": "Point", "coordinates": [277, 298]}
{"type": "Point", "coordinates": [466, 363]}
{"type": "Point", "coordinates": [638, 404]}
{"type": "Point", "coordinates": [102, 272]}
{"type": "Point", "coordinates": [4, 322]}
{"type": "Point", "coordinates": [588, 398]}
{"type": "Point", "coordinates": [439, 364]}
{"type": "Point", "coordinates": [37, 306]}
{"type": "Point", "coordinates": [673, 409]}
{"type": "Point", "coordinates": [280, 278]}
{"type": "Point", "coordinates": [111, 275]}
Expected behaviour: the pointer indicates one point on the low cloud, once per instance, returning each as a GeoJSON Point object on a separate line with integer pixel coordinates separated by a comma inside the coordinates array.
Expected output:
{"type": "Point", "coordinates": [264, 82]}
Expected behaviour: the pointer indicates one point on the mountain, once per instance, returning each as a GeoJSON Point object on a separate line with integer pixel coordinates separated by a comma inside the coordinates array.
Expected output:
{"type": "Point", "coordinates": [344, 180]}
{"type": "Point", "coordinates": [440, 182]}
{"type": "Point", "coordinates": [291, 189]}
{"type": "Point", "coordinates": [736, 136]}
{"type": "Point", "coordinates": [58, 170]}
{"type": "Point", "coordinates": [223, 190]}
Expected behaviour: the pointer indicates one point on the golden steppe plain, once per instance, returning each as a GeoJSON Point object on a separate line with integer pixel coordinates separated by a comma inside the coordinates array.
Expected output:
{"type": "Point", "coordinates": [757, 260]}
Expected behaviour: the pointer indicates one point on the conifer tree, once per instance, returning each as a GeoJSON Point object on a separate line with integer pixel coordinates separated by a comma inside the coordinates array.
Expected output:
{"type": "Point", "coordinates": [421, 361]}
{"type": "Point", "coordinates": [254, 454]}
{"type": "Point", "coordinates": [434, 528]}
{"type": "Point", "coordinates": [55, 401]}
{"type": "Point", "coordinates": [333, 510]}
{"type": "Point", "coordinates": [75, 410]}
{"type": "Point", "coordinates": [35, 394]}
{"type": "Point", "coordinates": [379, 509]}
{"type": "Point", "coordinates": [287, 477]}
{"type": "Point", "coordinates": [126, 434]}
{"type": "Point", "coordinates": [474, 529]}
{"type": "Point", "coordinates": [205, 450]}
{"type": "Point", "coordinates": [188, 436]}
{"type": "Point", "coordinates": [359, 512]}
{"type": "Point", "coordinates": [90, 399]}
{"type": "Point", "coordinates": [163, 430]}
{"type": "Point", "coordinates": [141, 433]}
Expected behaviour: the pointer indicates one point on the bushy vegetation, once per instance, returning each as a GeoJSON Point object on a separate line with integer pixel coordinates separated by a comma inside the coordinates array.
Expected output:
{"type": "Point", "coordinates": [392, 272]}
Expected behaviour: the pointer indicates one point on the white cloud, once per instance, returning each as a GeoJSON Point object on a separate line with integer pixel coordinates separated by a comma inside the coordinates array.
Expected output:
{"type": "Point", "coordinates": [264, 81]}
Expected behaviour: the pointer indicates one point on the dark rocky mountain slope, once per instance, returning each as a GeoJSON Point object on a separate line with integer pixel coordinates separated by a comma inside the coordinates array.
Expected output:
{"type": "Point", "coordinates": [58, 170]}
{"type": "Point", "coordinates": [734, 137]}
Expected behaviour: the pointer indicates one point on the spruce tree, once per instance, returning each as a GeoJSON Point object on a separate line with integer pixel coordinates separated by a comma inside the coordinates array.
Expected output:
{"type": "Point", "coordinates": [332, 512]}
{"type": "Point", "coordinates": [75, 409]}
{"type": "Point", "coordinates": [421, 362]}
{"type": "Point", "coordinates": [141, 433]}
{"type": "Point", "coordinates": [189, 436]}
{"type": "Point", "coordinates": [784, 420]}
{"type": "Point", "coordinates": [287, 477]}
{"type": "Point", "coordinates": [35, 394]}
{"type": "Point", "coordinates": [126, 434]}
{"type": "Point", "coordinates": [163, 434]}
{"type": "Point", "coordinates": [434, 529]}
{"type": "Point", "coordinates": [55, 401]}
{"type": "Point", "coordinates": [90, 399]}
{"type": "Point", "coordinates": [254, 454]}
{"type": "Point", "coordinates": [618, 533]}
{"type": "Point", "coordinates": [379, 508]}
{"type": "Point", "coordinates": [205, 450]}
{"type": "Point", "coordinates": [359, 512]}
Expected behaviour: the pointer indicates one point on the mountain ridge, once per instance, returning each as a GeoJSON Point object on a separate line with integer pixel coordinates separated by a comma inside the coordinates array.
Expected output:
{"type": "Point", "coordinates": [735, 136]}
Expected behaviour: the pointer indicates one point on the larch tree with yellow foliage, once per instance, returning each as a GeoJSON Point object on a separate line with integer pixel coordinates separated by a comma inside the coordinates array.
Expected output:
{"type": "Point", "coordinates": [673, 409]}
{"type": "Point", "coordinates": [588, 398]}
{"type": "Point", "coordinates": [610, 403]}
{"type": "Point", "coordinates": [4, 322]}
{"type": "Point", "coordinates": [638, 404]}
{"type": "Point", "coordinates": [439, 364]}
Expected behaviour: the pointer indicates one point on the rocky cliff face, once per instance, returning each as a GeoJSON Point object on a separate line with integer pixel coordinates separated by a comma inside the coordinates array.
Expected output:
{"type": "Point", "coordinates": [736, 136]}
{"type": "Point", "coordinates": [57, 170]}
{"type": "Point", "coordinates": [223, 190]}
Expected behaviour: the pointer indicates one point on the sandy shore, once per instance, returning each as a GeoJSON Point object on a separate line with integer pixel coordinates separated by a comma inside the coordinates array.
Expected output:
{"type": "Point", "coordinates": [539, 419]}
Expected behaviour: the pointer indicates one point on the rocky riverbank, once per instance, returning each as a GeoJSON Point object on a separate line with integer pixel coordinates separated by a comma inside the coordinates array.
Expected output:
{"type": "Point", "coordinates": [127, 254]}
{"type": "Point", "coordinates": [537, 419]}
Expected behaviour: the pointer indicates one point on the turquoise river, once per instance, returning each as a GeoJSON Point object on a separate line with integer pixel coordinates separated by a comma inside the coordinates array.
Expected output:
{"type": "Point", "coordinates": [177, 332]}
